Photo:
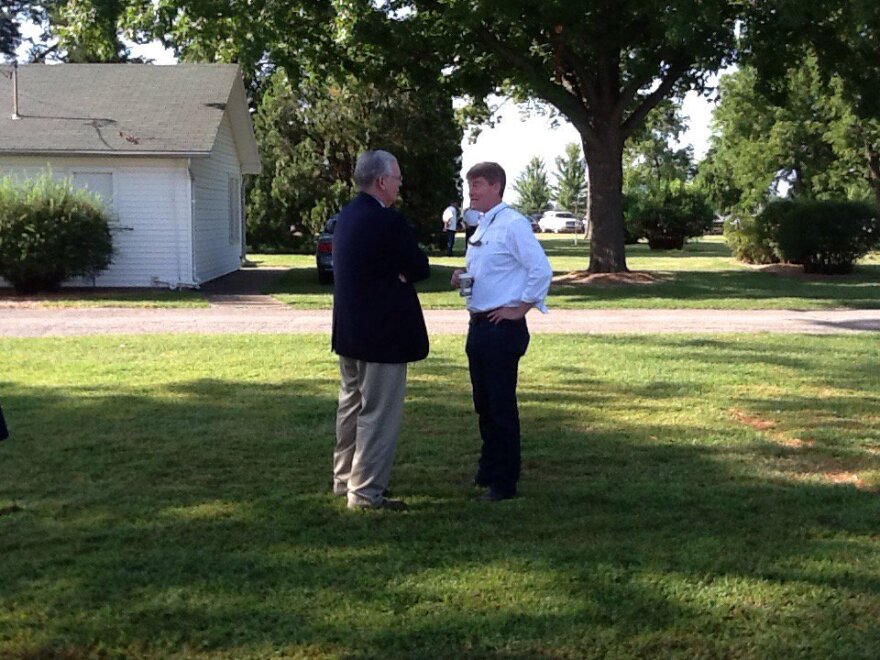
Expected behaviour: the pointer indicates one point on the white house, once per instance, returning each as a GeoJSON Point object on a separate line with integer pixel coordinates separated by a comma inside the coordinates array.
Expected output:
{"type": "Point", "coordinates": [164, 146]}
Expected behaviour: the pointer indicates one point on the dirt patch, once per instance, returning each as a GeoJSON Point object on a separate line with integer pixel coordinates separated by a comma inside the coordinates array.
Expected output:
{"type": "Point", "coordinates": [791, 443]}
{"type": "Point", "coordinates": [839, 478]}
{"type": "Point", "coordinates": [760, 424]}
{"type": "Point", "coordinates": [750, 420]}
{"type": "Point", "coordinates": [638, 277]}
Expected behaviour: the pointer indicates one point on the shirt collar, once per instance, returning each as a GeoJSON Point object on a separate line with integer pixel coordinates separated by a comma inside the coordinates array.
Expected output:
{"type": "Point", "coordinates": [495, 210]}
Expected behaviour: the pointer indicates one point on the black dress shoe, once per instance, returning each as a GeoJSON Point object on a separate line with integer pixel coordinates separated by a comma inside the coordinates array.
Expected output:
{"type": "Point", "coordinates": [392, 505]}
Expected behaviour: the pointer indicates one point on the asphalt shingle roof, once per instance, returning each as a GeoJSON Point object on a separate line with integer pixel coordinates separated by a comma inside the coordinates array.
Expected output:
{"type": "Point", "coordinates": [131, 108]}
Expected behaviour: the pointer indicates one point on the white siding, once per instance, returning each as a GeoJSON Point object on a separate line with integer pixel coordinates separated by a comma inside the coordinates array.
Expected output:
{"type": "Point", "coordinates": [217, 249]}
{"type": "Point", "coordinates": [151, 204]}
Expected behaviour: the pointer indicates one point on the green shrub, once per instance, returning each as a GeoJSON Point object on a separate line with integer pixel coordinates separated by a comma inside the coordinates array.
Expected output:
{"type": "Point", "coordinates": [50, 232]}
{"type": "Point", "coordinates": [631, 233]}
{"type": "Point", "coordinates": [668, 214]}
{"type": "Point", "coordinates": [825, 236]}
{"type": "Point", "coordinates": [753, 239]}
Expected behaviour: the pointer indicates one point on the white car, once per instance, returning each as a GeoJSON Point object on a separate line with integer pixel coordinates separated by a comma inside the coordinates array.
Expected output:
{"type": "Point", "coordinates": [561, 221]}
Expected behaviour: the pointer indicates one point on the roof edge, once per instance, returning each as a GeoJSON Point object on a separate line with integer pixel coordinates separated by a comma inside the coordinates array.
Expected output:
{"type": "Point", "coordinates": [243, 127]}
{"type": "Point", "coordinates": [99, 152]}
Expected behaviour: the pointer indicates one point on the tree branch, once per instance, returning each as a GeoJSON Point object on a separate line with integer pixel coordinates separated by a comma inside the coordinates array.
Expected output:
{"type": "Point", "coordinates": [567, 103]}
{"type": "Point", "coordinates": [650, 102]}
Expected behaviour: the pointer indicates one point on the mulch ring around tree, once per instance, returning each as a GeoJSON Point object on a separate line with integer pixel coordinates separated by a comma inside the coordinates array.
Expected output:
{"type": "Point", "coordinates": [638, 277]}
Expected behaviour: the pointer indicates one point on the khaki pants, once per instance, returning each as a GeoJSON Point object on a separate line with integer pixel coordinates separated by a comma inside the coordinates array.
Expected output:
{"type": "Point", "coordinates": [367, 423]}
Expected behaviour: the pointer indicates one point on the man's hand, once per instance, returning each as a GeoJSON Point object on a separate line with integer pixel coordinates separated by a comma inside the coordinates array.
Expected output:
{"type": "Point", "coordinates": [455, 275]}
{"type": "Point", "coordinates": [510, 313]}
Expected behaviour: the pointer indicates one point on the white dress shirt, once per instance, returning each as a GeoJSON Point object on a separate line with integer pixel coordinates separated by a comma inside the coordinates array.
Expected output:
{"type": "Point", "coordinates": [507, 262]}
{"type": "Point", "coordinates": [450, 218]}
{"type": "Point", "coordinates": [472, 217]}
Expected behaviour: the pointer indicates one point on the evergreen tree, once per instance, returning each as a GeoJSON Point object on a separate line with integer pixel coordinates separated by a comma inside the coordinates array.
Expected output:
{"type": "Point", "coordinates": [570, 191]}
{"type": "Point", "coordinates": [533, 188]}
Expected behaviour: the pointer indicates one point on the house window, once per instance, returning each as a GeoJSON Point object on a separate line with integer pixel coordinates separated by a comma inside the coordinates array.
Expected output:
{"type": "Point", "coordinates": [97, 183]}
{"type": "Point", "coordinates": [234, 210]}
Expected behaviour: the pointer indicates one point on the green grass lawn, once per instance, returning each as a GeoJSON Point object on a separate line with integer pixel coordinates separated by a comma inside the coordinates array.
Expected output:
{"type": "Point", "coordinates": [681, 497]}
{"type": "Point", "coordinates": [703, 276]}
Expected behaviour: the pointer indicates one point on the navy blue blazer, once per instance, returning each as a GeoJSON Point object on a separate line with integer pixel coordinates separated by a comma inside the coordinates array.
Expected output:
{"type": "Point", "coordinates": [376, 317]}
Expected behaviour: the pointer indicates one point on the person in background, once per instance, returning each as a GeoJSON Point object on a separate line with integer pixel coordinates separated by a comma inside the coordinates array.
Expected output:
{"type": "Point", "coordinates": [378, 327]}
{"type": "Point", "coordinates": [511, 275]}
{"type": "Point", "coordinates": [471, 220]}
{"type": "Point", "coordinates": [450, 226]}
{"type": "Point", "coordinates": [4, 432]}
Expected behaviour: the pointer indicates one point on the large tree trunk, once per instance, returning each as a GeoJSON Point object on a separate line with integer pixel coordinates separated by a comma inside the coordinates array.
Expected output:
{"type": "Point", "coordinates": [605, 161]}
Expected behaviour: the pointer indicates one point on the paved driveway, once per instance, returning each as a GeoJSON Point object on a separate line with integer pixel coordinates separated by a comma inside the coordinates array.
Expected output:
{"type": "Point", "coordinates": [276, 319]}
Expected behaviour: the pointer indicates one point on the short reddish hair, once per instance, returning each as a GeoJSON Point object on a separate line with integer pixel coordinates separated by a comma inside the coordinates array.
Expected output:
{"type": "Point", "coordinates": [492, 172]}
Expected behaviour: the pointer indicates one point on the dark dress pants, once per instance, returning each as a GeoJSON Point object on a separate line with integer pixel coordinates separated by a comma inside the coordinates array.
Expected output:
{"type": "Point", "coordinates": [493, 352]}
{"type": "Point", "coordinates": [450, 242]}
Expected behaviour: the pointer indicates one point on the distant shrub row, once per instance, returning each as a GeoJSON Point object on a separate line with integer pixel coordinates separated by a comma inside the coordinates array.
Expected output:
{"type": "Point", "coordinates": [50, 231]}
{"type": "Point", "coordinates": [824, 236]}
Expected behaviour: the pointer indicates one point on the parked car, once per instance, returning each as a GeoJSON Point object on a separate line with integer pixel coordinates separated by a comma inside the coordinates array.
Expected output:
{"type": "Point", "coordinates": [324, 252]}
{"type": "Point", "coordinates": [561, 221]}
{"type": "Point", "coordinates": [533, 220]}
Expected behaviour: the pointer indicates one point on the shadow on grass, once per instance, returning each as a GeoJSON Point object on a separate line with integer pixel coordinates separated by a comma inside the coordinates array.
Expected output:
{"type": "Point", "coordinates": [195, 519]}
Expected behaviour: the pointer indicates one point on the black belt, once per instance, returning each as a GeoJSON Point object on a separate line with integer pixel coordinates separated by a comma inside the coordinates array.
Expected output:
{"type": "Point", "coordinates": [480, 317]}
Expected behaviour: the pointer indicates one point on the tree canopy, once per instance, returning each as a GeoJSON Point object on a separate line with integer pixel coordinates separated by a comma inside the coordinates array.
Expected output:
{"type": "Point", "coordinates": [810, 140]}
{"type": "Point", "coordinates": [603, 66]}
{"type": "Point", "coordinates": [311, 131]}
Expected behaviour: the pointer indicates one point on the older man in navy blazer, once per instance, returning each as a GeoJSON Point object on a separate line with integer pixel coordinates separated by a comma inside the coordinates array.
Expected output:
{"type": "Point", "coordinates": [378, 327]}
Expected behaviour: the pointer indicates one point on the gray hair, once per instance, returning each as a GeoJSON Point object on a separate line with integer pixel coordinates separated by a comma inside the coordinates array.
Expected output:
{"type": "Point", "coordinates": [370, 166]}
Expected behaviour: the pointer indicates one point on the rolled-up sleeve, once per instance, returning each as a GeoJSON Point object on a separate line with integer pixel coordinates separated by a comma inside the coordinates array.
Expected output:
{"type": "Point", "coordinates": [528, 251]}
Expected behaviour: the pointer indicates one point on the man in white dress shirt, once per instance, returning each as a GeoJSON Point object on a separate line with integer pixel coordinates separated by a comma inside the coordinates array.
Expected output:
{"type": "Point", "coordinates": [471, 219]}
{"type": "Point", "coordinates": [511, 275]}
{"type": "Point", "coordinates": [450, 226]}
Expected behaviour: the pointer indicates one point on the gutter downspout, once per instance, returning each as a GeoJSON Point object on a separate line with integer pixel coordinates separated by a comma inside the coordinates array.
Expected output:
{"type": "Point", "coordinates": [192, 222]}
{"type": "Point", "coordinates": [15, 114]}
